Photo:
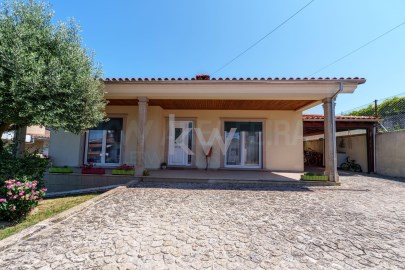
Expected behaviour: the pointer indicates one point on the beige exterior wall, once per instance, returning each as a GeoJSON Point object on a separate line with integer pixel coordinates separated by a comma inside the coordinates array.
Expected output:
{"type": "Point", "coordinates": [65, 148]}
{"type": "Point", "coordinates": [282, 145]}
{"type": "Point", "coordinates": [355, 148]}
{"type": "Point", "coordinates": [316, 145]}
{"type": "Point", "coordinates": [390, 154]}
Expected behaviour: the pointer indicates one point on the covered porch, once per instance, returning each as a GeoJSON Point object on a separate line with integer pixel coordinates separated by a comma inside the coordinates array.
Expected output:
{"type": "Point", "coordinates": [275, 106]}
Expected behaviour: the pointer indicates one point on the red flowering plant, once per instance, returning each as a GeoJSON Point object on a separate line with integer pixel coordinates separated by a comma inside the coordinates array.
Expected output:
{"type": "Point", "coordinates": [88, 166]}
{"type": "Point", "coordinates": [18, 198]}
{"type": "Point", "coordinates": [125, 167]}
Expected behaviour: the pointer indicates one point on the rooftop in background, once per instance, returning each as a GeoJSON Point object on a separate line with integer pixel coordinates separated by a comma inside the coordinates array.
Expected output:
{"type": "Point", "coordinates": [320, 117]}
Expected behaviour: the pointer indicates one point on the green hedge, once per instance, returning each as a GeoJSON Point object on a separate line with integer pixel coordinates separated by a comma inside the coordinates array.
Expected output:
{"type": "Point", "coordinates": [122, 172]}
{"type": "Point", "coordinates": [307, 177]}
{"type": "Point", "coordinates": [60, 170]}
{"type": "Point", "coordinates": [30, 167]}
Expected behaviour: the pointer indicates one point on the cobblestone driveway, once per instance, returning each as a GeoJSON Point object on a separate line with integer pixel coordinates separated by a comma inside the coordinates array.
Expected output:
{"type": "Point", "coordinates": [358, 225]}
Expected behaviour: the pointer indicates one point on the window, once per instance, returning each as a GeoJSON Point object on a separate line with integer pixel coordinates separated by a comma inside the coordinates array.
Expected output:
{"type": "Point", "coordinates": [103, 144]}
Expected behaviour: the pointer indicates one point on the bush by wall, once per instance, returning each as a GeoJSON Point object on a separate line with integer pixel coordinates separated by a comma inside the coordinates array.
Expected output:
{"type": "Point", "coordinates": [30, 167]}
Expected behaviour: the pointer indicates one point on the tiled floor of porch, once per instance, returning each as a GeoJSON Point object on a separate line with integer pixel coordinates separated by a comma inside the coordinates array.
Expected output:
{"type": "Point", "coordinates": [222, 175]}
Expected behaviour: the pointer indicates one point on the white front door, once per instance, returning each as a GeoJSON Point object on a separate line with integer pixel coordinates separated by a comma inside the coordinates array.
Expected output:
{"type": "Point", "coordinates": [178, 143]}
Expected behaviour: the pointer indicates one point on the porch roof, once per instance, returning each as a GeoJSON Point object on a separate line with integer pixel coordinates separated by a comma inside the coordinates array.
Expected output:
{"type": "Point", "coordinates": [205, 93]}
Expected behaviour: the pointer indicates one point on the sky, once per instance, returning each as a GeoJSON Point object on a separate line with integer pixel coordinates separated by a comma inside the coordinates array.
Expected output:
{"type": "Point", "coordinates": [182, 38]}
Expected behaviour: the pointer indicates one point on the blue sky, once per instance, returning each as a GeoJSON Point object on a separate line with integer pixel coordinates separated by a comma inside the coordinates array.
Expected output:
{"type": "Point", "coordinates": [181, 38]}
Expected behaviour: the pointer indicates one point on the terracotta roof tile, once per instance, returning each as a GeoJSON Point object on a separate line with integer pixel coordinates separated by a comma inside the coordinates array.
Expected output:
{"type": "Point", "coordinates": [357, 79]}
{"type": "Point", "coordinates": [309, 117]}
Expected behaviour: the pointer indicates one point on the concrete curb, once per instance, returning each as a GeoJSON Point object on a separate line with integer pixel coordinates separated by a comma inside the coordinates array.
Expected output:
{"type": "Point", "coordinates": [26, 233]}
{"type": "Point", "coordinates": [80, 191]}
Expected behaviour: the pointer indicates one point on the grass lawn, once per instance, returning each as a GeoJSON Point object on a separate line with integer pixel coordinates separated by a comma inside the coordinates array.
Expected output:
{"type": "Point", "coordinates": [46, 209]}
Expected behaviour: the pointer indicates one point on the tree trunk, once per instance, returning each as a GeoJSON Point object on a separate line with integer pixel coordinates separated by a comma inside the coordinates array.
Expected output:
{"type": "Point", "coordinates": [20, 135]}
{"type": "Point", "coordinates": [3, 128]}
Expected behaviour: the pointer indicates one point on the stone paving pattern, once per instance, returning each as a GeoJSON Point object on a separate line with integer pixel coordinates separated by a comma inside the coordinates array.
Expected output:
{"type": "Point", "coordinates": [358, 225]}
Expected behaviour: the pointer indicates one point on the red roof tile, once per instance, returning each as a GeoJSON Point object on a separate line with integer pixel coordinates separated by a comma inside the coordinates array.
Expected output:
{"type": "Point", "coordinates": [207, 78]}
{"type": "Point", "coordinates": [320, 117]}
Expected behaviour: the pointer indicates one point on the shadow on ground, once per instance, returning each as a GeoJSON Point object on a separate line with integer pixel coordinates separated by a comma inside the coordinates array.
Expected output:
{"type": "Point", "coordinates": [223, 186]}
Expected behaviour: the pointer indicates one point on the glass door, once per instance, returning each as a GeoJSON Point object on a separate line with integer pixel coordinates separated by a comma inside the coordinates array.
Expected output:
{"type": "Point", "coordinates": [103, 144]}
{"type": "Point", "coordinates": [245, 148]}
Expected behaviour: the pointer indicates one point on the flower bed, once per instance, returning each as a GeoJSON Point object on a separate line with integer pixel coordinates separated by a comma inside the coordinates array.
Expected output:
{"type": "Point", "coordinates": [60, 170]}
{"type": "Point", "coordinates": [90, 169]}
{"type": "Point", "coordinates": [314, 177]}
{"type": "Point", "coordinates": [122, 172]}
{"type": "Point", "coordinates": [93, 171]}
{"type": "Point", "coordinates": [124, 169]}
{"type": "Point", "coordinates": [18, 198]}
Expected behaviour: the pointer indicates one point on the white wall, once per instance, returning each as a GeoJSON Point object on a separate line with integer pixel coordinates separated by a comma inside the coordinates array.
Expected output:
{"type": "Point", "coordinates": [390, 153]}
{"type": "Point", "coordinates": [355, 147]}
{"type": "Point", "coordinates": [65, 148]}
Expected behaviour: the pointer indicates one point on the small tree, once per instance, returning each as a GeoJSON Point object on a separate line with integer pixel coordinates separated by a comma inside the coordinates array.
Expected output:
{"type": "Point", "coordinates": [46, 77]}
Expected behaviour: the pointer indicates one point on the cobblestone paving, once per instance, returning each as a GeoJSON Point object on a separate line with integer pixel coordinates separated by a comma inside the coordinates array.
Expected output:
{"type": "Point", "coordinates": [195, 226]}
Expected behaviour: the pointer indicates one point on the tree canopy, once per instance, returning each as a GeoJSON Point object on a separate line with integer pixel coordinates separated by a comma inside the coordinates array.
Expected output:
{"type": "Point", "coordinates": [388, 107]}
{"type": "Point", "coordinates": [46, 77]}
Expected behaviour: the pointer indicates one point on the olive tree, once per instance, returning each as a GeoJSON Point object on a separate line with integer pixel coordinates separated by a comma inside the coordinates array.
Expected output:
{"type": "Point", "coordinates": [46, 77]}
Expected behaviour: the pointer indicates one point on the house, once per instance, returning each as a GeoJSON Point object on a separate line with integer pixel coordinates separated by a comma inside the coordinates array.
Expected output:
{"type": "Point", "coordinates": [36, 139]}
{"type": "Point", "coordinates": [243, 124]}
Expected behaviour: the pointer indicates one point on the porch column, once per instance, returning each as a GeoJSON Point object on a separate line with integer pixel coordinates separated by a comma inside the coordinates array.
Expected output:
{"type": "Point", "coordinates": [330, 140]}
{"type": "Point", "coordinates": [140, 149]}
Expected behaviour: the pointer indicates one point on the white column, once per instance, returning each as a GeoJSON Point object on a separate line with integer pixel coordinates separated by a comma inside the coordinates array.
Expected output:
{"type": "Point", "coordinates": [140, 149]}
{"type": "Point", "coordinates": [330, 140]}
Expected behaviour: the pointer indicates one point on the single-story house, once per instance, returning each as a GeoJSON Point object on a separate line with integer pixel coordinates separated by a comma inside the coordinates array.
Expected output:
{"type": "Point", "coordinates": [244, 124]}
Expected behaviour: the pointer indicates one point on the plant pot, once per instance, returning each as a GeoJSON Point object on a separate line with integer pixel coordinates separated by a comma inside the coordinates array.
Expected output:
{"type": "Point", "coordinates": [93, 171]}
{"type": "Point", "coordinates": [163, 167]}
{"type": "Point", "coordinates": [122, 172]}
{"type": "Point", "coordinates": [60, 170]}
{"type": "Point", "coordinates": [314, 177]}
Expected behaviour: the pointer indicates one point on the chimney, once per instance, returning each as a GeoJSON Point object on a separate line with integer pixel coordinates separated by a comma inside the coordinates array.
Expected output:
{"type": "Point", "coordinates": [202, 77]}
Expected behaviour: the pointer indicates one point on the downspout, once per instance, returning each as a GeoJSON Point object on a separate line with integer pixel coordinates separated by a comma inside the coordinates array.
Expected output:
{"type": "Point", "coordinates": [375, 148]}
{"type": "Point", "coordinates": [338, 92]}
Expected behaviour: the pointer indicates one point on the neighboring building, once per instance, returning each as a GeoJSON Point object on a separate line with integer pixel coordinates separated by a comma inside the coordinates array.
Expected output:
{"type": "Point", "coordinates": [37, 139]}
{"type": "Point", "coordinates": [248, 123]}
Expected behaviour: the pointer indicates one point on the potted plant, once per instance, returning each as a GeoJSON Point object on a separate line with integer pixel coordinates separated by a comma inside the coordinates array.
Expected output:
{"type": "Point", "coordinates": [163, 165]}
{"type": "Point", "coordinates": [90, 169]}
{"type": "Point", "coordinates": [308, 176]}
{"type": "Point", "coordinates": [146, 172]}
{"type": "Point", "coordinates": [64, 169]}
{"type": "Point", "coordinates": [124, 169]}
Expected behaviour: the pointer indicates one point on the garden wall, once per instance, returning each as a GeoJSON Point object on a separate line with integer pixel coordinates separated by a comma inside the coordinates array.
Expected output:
{"type": "Point", "coordinates": [390, 153]}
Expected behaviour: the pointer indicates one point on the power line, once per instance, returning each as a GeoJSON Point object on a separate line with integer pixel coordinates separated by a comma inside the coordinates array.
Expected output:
{"type": "Point", "coordinates": [359, 48]}
{"type": "Point", "coordinates": [261, 39]}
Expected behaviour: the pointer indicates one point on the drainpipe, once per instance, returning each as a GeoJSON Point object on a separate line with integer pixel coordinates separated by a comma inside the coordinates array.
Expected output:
{"type": "Point", "coordinates": [375, 148]}
{"type": "Point", "coordinates": [339, 91]}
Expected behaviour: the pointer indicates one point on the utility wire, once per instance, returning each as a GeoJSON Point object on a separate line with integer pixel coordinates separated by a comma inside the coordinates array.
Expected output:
{"type": "Point", "coordinates": [261, 39]}
{"type": "Point", "coordinates": [359, 48]}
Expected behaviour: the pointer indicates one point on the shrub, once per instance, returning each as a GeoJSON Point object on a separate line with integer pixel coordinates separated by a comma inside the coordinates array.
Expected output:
{"type": "Point", "coordinates": [18, 198]}
{"type": "Point", "coordinates": [30, 167]}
